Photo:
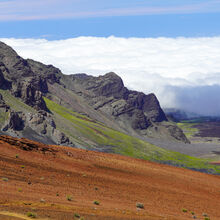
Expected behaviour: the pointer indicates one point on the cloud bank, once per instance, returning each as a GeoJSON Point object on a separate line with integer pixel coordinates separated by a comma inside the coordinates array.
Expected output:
{"type": "Point", "coordinates": [183, 72]}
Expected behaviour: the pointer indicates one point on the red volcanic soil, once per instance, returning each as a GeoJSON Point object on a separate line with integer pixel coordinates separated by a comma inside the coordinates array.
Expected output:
{"type": "Point", "coordinates": [39, 178]}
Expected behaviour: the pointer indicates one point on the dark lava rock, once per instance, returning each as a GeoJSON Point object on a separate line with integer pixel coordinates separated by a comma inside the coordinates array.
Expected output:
{"type": "Point", "coordinates": [4, 84]}
{"type": "Point", "coordinates": [16, 122]}
{"type": "Point", "coordinates": [2, 79]}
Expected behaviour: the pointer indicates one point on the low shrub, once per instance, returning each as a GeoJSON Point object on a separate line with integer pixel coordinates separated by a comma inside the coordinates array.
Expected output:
{"type": "Point", "coordinates": [5, 179]}
{"type": "Point", "coordinates": [31, 215]}
{"type": "Point", "coordinates": [140, 205]}
{"type": "Point", "coordinates": [69, 198]}
{"type": "Point", "coordinates": [76, 215]}
{"type": "Point", "coordinates": [96, 202]}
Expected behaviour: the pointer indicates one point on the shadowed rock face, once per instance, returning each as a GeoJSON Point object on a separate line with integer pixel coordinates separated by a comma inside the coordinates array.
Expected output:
{"type": "Point", "coordinates": [4, 84]}
{"type": "Point", "coordinates": [2, 79]}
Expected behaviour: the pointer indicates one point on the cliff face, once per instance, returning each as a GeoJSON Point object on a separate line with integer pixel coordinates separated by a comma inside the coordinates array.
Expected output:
{"type": "Point", "coordinates": [21, 80]}
{"type": "Point", "coordinates": [134, 112]}
{"type": "Point", "coordinates": [108, 94]}
{"type": "Point", "coordinates": [103, 98]}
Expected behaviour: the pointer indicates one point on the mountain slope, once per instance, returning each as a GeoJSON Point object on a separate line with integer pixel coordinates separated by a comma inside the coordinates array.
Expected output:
{"type": "Point", "coordinates": [56, 182]}
{"type": "Point", "coordinates": [103, 98]}
{"type": "Point", "coordinates": [87, 133]}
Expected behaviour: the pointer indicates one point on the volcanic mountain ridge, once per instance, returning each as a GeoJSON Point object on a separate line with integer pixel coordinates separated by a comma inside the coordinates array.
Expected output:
{"type": "Point", "coordinates": [103, 99]}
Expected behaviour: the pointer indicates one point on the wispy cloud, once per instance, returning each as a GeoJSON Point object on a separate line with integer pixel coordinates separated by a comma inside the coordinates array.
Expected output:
{"type": "Point", "coordinates": [182, 72]}
{"type": "Point", "coordinates": [58, 9]}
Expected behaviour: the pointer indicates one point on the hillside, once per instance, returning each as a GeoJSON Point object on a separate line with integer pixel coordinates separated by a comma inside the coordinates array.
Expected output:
{"type": "Point", "coordinates": [40, 103]}
{"type": "Point", "coordinates": [55, 182]}
{"type": "Point", "coordinates": [104, 99]}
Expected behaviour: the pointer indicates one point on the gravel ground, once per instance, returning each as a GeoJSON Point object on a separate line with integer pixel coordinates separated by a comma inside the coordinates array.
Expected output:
{"type": "Point", "coordinates": [195, 149]}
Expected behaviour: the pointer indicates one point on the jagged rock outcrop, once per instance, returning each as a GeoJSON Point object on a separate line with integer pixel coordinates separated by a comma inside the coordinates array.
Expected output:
{"type": "Point", "coordinates": [108, 94]}
{"type": "Point", "coordinates": [30, 91]}
{"type": "Point", "coordinates": [49, 73]}
{"type": "Point", "coordinates": [17, 75]}
{"type": "Point", "coordinates": [15, 122]}
{"type": "Point", "coordinates": [41, 123]}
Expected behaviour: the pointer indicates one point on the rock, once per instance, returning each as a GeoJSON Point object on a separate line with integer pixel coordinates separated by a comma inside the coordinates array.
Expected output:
{"type": "Point", "coordinates": [17, 67]}
{"type": "Point", "coordinates": [61, 138]}
{"type": "Point", "coordinates": [41, 123]}
{"type": "Point", "coordinates": [108, 94]}
{"type": "Point", "coordinates": [16, 122]}
{"type": "Point", "coordinates": [30, 92]}
{"type": "Point", "coordinates": [3, 104]}
{"type": "Point", "coordinates": [50, 73]}
{"type": "Point", "coordinates": [139, 120]}
{"type": "Point", "coordinates": [108, 85]}
{"type": "Point", "coordinates": [2, 79]}
{"type": "Point", "coordinates": [21, 80]}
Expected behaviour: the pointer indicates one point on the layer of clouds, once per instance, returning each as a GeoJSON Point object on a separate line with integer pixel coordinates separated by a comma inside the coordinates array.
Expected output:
{"type": "Point", "coordinates": [12, 10]}
{"type": "Point", "coordinates": [183, 72]}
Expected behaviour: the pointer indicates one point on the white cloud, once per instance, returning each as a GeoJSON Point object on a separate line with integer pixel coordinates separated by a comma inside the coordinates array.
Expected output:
{"type": "Point", "coordinates": [182, 72]}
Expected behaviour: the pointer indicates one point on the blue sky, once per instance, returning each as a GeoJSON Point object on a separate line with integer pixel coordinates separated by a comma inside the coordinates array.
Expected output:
{"type": "Point", "coordinates": [60, 19]}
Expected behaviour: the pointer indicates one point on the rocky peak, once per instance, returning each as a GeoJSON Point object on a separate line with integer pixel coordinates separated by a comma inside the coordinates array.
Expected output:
{"type": "Point", "coordinates": [17, 76]}
{"type": "Point", "coordinates": [107, 85]}
{"type": "Point", "coordinates": [48, 72]}
{"type": "Point", "coordinates": [17, 67]}
{"type": "Point", "coordinates": [110, 85]}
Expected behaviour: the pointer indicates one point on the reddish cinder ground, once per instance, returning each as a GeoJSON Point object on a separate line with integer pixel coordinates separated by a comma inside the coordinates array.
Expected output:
{"type": "Point", "coordinates": [38, 178]}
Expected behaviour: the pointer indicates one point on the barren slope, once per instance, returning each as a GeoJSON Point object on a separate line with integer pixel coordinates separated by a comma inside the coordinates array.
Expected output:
{"type": "Point", "coordinates": [38, 178]}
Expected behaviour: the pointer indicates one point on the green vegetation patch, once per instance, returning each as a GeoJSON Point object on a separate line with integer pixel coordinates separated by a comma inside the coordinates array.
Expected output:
{"type": "Point", "coordinates": [188, 128]}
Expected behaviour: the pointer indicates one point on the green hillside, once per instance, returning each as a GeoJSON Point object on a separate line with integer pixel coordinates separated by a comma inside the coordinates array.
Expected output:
{"type": "Point", "coordinates": [94, 135]}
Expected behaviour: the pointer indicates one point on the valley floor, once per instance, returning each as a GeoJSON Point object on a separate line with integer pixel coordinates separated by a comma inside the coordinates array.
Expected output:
{"type": "Point", "coordinates": [56, 182]}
